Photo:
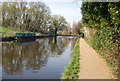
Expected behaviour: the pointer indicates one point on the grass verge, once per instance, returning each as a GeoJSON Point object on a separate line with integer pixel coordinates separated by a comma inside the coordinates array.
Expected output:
{"type": "Point", "coordinates": [89, 43]}
{"type": "Point", "coordinates": [71, 71]}
{"type": "Point", "coordinates": [7, 32]}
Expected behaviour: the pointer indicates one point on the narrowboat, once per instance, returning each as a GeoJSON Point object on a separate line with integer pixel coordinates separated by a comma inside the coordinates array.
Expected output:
{"type": "Point", "coordinates": [24, 36]}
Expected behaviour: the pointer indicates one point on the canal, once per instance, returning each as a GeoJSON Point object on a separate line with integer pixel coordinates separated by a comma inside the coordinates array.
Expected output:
{"type": "Point", "coordinates": [43, 58]}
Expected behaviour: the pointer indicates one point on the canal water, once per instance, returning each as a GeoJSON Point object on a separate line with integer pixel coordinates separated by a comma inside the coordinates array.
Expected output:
{"type": "Point", "coordinates": [43, 58]}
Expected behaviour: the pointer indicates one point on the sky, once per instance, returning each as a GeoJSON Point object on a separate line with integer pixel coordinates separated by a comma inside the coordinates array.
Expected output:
{"type": "Point", "coordinates": [67, 8]}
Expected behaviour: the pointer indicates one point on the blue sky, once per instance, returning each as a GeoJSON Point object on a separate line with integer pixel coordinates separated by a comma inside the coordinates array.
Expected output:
{"type": "Point", "coordinates": [66, 8]}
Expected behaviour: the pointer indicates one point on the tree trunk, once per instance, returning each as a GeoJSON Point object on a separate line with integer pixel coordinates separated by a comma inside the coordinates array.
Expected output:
{"type": "Point", "coordinates": [56, 29]}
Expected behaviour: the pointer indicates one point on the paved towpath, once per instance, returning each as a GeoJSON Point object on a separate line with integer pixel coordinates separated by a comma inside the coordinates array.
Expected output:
{"type": "Point", "coordinates": [92, 66]}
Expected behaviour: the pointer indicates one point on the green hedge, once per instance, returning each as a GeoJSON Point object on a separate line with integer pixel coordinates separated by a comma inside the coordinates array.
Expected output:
{"type": "Point", "coordinates": [105, 18]}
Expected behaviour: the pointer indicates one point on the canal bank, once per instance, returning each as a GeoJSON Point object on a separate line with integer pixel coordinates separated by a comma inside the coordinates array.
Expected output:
{"type": "Point", "coordinates": [72, 69]}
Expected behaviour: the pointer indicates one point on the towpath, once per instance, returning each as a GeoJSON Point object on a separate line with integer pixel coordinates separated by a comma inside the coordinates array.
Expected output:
{"type": "Point", "coordinates": [92, 66]}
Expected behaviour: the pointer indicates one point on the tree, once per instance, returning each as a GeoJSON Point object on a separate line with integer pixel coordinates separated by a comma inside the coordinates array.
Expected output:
{"type": "Point", "coordinates": [76, 28]}
{"type": "Point", "coordinates": [30, 16]}
{"type": "Point", "coordinates": [58, 23]}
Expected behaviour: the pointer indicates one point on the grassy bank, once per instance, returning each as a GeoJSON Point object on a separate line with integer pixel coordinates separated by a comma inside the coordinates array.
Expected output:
{"type": "Point", "coordinates": [71, 71]}
{"type": "Point", "coordinates": [7, 32]}
{"type": "Point", "coordinates": [89, 43]}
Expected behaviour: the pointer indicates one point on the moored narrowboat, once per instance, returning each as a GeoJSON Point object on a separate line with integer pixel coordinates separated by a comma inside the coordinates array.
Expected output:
{"type": "Point", "coordinates": [24, 35]}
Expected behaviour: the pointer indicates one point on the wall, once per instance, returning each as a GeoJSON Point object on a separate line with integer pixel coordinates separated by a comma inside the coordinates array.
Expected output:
{"type": "Point", "coordinates": [88, 33]}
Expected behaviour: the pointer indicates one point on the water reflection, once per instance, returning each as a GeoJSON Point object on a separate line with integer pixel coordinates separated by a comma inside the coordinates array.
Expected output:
{"type": "Point", "coordinates": [19, 58]}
